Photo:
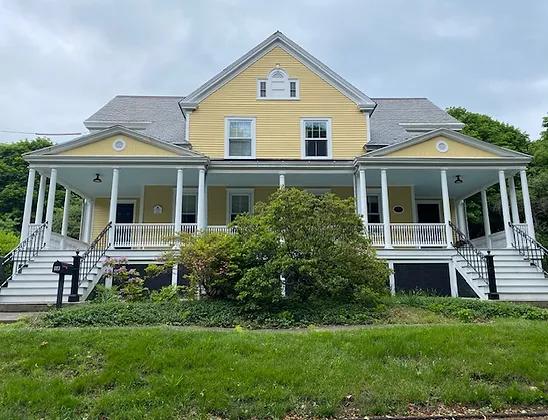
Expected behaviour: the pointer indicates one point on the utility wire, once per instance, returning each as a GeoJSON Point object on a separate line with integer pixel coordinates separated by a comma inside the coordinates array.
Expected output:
{"type": "Point", "coordinates": [39, 134]}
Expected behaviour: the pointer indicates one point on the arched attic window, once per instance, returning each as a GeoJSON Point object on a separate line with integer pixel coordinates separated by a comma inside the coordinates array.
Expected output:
{"type": "Point", "coordinates": [278, 85]}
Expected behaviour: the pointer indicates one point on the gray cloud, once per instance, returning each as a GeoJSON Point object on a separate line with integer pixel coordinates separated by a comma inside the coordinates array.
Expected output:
{"type": "Point", "coordinates": [61, 61]}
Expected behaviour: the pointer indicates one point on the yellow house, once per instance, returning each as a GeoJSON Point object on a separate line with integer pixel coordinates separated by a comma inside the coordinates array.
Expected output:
{"type": "Point", "coordinates": [152, 166]}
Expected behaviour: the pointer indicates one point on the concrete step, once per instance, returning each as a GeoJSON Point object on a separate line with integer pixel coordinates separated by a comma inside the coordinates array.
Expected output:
{"type": "Point", "coordinates": [39, 283]}
{"type": "Point", "coordinates": [26, 291]}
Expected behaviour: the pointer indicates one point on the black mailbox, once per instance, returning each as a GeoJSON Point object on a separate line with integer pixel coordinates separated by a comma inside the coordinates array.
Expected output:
{"type": "Point", "coordinates": [60, 267]}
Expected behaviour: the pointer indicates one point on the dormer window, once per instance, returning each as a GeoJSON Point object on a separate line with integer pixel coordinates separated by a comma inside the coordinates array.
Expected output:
{"type": "Point", "coordinates": [278, 86]}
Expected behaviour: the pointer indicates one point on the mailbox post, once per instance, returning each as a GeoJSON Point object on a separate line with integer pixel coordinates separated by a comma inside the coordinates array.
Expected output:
{"type": "Point", "coordinates": [61, 268]}
{"type": "Point", "coordinates": [75, 279]}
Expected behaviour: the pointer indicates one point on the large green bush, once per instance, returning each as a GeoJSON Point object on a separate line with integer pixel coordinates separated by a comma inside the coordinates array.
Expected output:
{"type": "Point", "coordinates": [8, 241]}
{"type": "Point", "coordinates": [315, 242]}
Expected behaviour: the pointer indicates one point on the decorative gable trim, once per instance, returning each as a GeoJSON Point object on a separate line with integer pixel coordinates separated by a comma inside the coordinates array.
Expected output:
{"type": "Point", "coordinates": [109, 132]}
{"type": "Point", "coordinates": [278, 40]}
{"type": "Point", "coordinates": [452, 135]}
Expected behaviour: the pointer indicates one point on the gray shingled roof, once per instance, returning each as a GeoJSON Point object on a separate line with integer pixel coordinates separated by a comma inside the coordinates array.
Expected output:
{"type": "Point", "coordinates": [391, 112]}
{"type": "Point", "coordinates": [160, 116]}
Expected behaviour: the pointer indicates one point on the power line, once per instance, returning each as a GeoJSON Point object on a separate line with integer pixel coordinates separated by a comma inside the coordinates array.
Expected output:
{"type": "Point", "coordinates": [39, 134]}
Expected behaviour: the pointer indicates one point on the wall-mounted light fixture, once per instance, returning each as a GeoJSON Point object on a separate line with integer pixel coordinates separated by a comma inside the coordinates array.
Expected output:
{"type": "Point", "coordinates": [458, 179]}
{"type": "Point", "coordinates": [97, 179]}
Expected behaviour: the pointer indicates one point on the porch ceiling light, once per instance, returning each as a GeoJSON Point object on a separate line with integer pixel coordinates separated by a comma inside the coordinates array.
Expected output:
{"type": "Point", "coordinates": [458, 179]}
{"type": "Point", "coordinates": [97, 179]}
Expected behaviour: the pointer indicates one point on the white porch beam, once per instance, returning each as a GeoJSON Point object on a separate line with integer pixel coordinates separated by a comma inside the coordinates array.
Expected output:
{"type": "Point", "coordinates": [385, 210]}
{"type": "Point", "coordinates": [505, 209]}
{"type": "Point", "coordinates": [179, 201]}
{"type": "Point", "coordinates": [39, 214]}
{"type": "Point", "coordinates": [513, 200]}
{"type": "Point", "coordinates": [113, 204]}
{"type": "Point", "coordinates": [362, 197]}
{"type": "Point", "coordinates": [446, 207]}
{"type": "Point", "coordinates": [282, 180]}
{"type": "Point", "coordinates": [201, 200]}
{"type": "Point", "coordinates": [66, 207]}
{"type": "Point", "coordinates": [527, 203]}
{"type": "Point", "coordinates": [28, 204]}
{"type": "Point", "coordinates": [50, 205]}
{"type": "Point", "coordinates": [486, 221]}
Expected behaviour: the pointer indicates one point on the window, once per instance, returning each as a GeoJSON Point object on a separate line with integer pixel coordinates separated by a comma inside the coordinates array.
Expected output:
{"type": "Point", "coordinates": [316, 138]}
{"type": "Point", "coordinates": [278, 86]}
{"type": "Point", "coordinates": [189, 208]}
{"type": "Point", "coordinates": [373, 209]}
{"type": "Point", "coordinates": [239, 202]}
{"type": "Point", "coordinates": [240, 138]}
{"type": "Point", "coordinates": [293, 89]}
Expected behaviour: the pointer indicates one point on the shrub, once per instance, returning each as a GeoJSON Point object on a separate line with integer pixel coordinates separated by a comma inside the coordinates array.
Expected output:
{"type": "Point", "coordinates": [102, 294]}
{"type": "Point", "coordinates": [8, 241]}
{"type": "Point", "coordinates": [316, 243]}
{"type": "Point", "coordinates": [167, 294]}
{"type": "Point", "coordinates": [127, 282]}
{"type": "Point", "coordinates": [211, 260]}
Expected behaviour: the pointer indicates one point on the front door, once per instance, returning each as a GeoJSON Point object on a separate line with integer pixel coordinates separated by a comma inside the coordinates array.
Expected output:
{"type": "Point", "coordinates": [124, 212]}
{"type": "Point", "coordinates": [428, 213]}
{"type": "Point", "coordinates": [123, 234]}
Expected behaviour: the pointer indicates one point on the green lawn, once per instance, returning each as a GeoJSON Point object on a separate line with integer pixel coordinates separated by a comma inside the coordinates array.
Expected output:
{"type": "Point", "coordinates": [166, 372]}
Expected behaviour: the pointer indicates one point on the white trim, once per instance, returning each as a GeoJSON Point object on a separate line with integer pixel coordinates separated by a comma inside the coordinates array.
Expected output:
{"type": "Point", "coordinates": [329, 139]}
{"type": "Point", "coordinates": [238, 191]}
{"type": "Point", "coordinates": [253, 136]}
{"type": "Point", "coordinates": [413, 204]}
{"type": "Point", "coordinates": [268, 82]}
{"type": "Point", "coordinates": [142, 205]}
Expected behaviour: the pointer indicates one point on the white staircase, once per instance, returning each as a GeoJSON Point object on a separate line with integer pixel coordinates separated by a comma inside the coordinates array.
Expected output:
{"type": "Point", "coordinates": [36, 284]}
{"type": "Point", "coordinates": [517, 278]}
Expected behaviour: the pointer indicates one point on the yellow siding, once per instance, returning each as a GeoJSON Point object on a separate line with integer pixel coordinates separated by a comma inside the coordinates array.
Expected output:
{"type": "Point", "coordinates": [216, 206]}
{"type": "Point", "coordinates": [343, 192]}
{"type": "Point", "coordinates": [101, 210]}
{"type": "Point", "coordinates": [158, 195]}
{"type": "Point", "coordinates": [401, 196]}
{"type": "Point", "coordinates": [278, 129]}
{"type": "Point", "coordinates": [263, 193]}
{"type": "Point", "coordinates": [428, 149]}
{"type": "Point", "coordinates": [104, 148]}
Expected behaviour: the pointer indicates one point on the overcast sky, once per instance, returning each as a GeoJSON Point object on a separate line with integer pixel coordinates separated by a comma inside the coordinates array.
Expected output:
{"type": "Point", "coordinates": [61, 61]}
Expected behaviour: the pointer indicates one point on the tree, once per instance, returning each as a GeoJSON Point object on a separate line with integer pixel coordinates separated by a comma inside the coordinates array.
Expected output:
{"type": "Point", "coordinates": [538, 183]}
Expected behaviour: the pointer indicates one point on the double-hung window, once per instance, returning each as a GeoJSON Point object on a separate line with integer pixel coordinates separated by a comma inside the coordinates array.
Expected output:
{"type": "Point", "coordinates": [239, 202]}
{"type": "Point", "coordinates": [189, 208]}
{"type": "Point", "coordinates": [316, 138]}
{"type": "Point", "coordinates": [240, 138]}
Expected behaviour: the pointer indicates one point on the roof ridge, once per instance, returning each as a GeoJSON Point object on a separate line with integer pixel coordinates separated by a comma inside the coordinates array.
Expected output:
{"type": "Point", "coordinates": [399, 98]}
{"type": "Point", "coordinates": [150, 96]}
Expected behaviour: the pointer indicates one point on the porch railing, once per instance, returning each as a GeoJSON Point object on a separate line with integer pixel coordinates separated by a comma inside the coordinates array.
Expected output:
{"type": "Point", "coordinates": [530, 248]}
{"type": "Point", "coordinates": [375, 232]}
{"type": "Point", "coordinates": [466, 249]}
{"type": "Point", "coordinates": [148, 235]}
{"type": "Point", "coordinates": [418, 234]}
{"type": "Point", "coordinates": [93, 255]}
{"type": "Point", "coordinates": [20, 256]}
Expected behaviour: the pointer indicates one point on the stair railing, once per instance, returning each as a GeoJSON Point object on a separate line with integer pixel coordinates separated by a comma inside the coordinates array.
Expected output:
{"type": "Point", "coordinates": [19, 257]}
{"type": "Point", "coordinates": [530, 248]}
{"type": "Point", "coordinates": [94, 254]}
{"type": "Point", "coordinates": [473, 256]}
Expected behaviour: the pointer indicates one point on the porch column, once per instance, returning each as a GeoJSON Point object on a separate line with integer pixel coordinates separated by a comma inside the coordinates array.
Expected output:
{"type": "Point", "coordinates": [513, 200]}
{"type": "Point", "coordinates": [179, 201]}
{"type": "Point", "coordinates": [527, 203]}
{"type": "Point", "coordinates": [385, 210]}
{"type": "Point", "coordinates": [446, 208]}
{"type": "Point", "coordinates": [39, 214]}
{"type": "Point", "coordinates": [50, 205]}
{"type": "Point", "coordinates": [28, 204]}
{"type": "Point", "coordinates": [461, 217]}
{"type": "Point", "coordinates": [66, 207]}
{"type": "Point", "coordinates": [113, 205]}
{"type": "Point", "coordinates": [201, 200]}
{"type": "Point", "coordinates": [485, 214]}
{"type": "Point", "coordinates": [282, 180]}
{"type": "Point", "coordinates": [88, 209]}
{"type": "Point", "coordinates": [505, 209]}
{"type": "Point", "coordinates": [362, 197]}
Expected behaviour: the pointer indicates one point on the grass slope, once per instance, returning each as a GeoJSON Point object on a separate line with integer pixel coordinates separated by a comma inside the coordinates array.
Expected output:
{"type": "Point", "coordinates": [165, 372]}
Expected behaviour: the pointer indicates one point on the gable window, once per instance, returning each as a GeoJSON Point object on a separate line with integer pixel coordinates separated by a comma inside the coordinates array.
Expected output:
{"type": "Point", "coordinates": [239, 202]}
{"type": "Point", "coordinates": [278, 85]}
{"type": "Point", "coordinates": [189, 208]}
{"type": "Point", "coordinates": [316, 138]}
{"type": "Point", "coordinates": [240, 138]}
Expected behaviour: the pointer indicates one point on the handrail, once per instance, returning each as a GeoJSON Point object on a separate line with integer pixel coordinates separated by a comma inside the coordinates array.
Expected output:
{"type": "Point", "coordinates": [20, 256]}
{"type": "Point", "coordinates": [466, 249]}
{"type": "Point", "coordinates": [529, 247]}
{"type": "Point", "coordinates": [96, 251]}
